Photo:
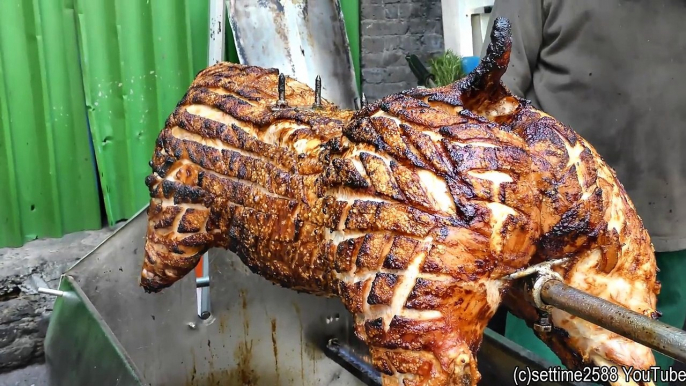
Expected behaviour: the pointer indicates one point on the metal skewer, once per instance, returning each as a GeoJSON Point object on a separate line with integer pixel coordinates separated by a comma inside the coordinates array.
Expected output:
{"type": "Point", "coordinates": [48, 291]}
{"type": "Point", "coordinates": [317, 92]}
{"type": "Point", "coordinates": [281, 103]}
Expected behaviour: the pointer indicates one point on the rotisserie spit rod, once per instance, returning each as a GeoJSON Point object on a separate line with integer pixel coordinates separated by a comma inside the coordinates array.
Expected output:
{"type": "Point", "coordinates": [652, 333]}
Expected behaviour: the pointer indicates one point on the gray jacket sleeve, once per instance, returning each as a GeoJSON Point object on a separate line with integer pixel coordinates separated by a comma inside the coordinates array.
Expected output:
{"type": "Point", "coordinates": [526, 17]}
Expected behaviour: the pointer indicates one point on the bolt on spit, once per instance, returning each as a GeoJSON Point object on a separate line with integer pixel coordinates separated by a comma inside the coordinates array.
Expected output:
{"type": "Point", "coordinates": [317, 92]}
{"type": "Point", "coordinates": [282, 91]}
{"type": "Point", "coordinates": [543, 324]}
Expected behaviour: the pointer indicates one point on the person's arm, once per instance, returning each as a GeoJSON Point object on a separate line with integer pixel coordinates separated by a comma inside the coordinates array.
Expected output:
{"type": "Point", "coordinates": [527, 18]}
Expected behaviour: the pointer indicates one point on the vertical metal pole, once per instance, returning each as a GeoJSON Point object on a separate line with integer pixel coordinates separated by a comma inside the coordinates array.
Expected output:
{"type": "Point", "coordinates": [217, 32]}
{"type": "Point", "coordinates": [215, 55]}
{"type": "Point", "coordinates": [204, 312]}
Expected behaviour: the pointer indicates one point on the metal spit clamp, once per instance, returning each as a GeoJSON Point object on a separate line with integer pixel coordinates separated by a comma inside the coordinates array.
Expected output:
{"type": "Point", "coordinates": [545, 273]}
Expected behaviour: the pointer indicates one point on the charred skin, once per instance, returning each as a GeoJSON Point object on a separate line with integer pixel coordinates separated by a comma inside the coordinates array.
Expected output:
{"type": "Point", "coordinates": [410, 210]}
{"type": "Point", "coordinates": [586, 215]}
{"type": "Point", "coordinates": [424, 282]}
{"type": "Point", "coordinates": [409, 213]}
{"type": "Point", "coordinates": [241, 184]}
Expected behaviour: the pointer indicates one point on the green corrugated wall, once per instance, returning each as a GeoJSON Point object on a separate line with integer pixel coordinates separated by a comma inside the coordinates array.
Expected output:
{"type": "Point", "coordinates": [118, 66]}
{"type": "Point", "coordinates": [351, 14]}
{"type": "Point", "coordinates": [138, 59]}
{"type": "Point", "coordinates": [47, 176]}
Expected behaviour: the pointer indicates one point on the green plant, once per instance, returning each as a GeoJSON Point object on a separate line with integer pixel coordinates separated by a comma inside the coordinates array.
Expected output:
{"type": "Point", "coordinates": [446, 68]}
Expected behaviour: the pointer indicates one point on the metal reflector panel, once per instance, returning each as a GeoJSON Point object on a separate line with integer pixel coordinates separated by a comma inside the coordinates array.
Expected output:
{"type": "Point", "coordinates": [302, 39]}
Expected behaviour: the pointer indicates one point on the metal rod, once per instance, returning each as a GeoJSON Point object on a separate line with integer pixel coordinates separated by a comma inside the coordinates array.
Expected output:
{"type": "Point", "coordinates": [363, 102]}
{"type": "Point", "coordinates": [657, 335]}
{"type": "Point", "coordinates": [318, 92]}
{"type": "Point", "coordinates": [357, 364]}
{"type": "Point", "coordinates": [49, 291]}
{"type": "Point", "coordinates": [215, 54]}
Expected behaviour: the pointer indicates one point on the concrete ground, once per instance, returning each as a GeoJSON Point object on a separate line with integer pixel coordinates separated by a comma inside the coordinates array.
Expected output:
{"type": "Point", "coordinates": [34, 375]}
{"type": "Point", "coordinates": [24, 313]}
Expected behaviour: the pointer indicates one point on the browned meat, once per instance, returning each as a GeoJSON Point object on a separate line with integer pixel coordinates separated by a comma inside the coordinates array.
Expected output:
{"type": "Point", "coordinates": [586, 215]}
{"type": "Point", "coordinates": [410, 210]}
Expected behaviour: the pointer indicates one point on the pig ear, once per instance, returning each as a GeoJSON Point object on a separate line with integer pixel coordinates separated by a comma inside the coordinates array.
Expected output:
{"type": "Point", "coordinates": [484, 80]}
{"type": "Point", "coordinates": [497, 57]}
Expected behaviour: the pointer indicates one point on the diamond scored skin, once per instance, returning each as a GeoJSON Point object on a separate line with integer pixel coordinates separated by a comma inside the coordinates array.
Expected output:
{"type": "Point", "coordinates": [410, 210]}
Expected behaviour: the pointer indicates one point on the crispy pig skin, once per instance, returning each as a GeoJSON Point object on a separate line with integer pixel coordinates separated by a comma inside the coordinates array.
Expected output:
{"type": "Point", "coordinates": [407, 212]}
{"type": "Point", "coordinates": [586, 216]}
{"type": "Point", "coordinates": [410, 210]}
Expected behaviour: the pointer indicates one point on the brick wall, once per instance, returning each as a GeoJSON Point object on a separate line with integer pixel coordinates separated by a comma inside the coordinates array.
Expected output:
{"type": "Point", "coordinates": [391, 29]}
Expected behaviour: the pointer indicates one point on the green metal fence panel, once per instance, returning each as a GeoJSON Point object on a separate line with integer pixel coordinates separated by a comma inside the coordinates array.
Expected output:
{"type": "Point", "coordinates": [138, 59]}
{"type": "Point", "coordinates": [199, 23]}
{"type": "Point", "coordinates": [351, 14]}
{"type": "Point", "coordinates": [47, 171]}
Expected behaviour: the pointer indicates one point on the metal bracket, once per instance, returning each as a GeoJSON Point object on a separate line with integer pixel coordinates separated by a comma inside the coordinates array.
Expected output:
{"type": "Point", "coordinates": [543, 277]}
{"type": "Point", "coordinates": [545, 272]}
{"type": "Point", "coordinates": [543, 324]}
{"type": "Point", "coordinates": [549, 285]}
{"type": "Point", "coordinates": [541, 269]}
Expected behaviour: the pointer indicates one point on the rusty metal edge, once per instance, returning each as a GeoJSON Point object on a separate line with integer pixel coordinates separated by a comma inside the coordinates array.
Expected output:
{"type": "Point", "coordinates": [143, 211]}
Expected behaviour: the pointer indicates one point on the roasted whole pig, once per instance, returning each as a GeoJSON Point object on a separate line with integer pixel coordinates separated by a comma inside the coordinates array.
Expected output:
{"type": "Point", "coordinates": [411, 210]}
